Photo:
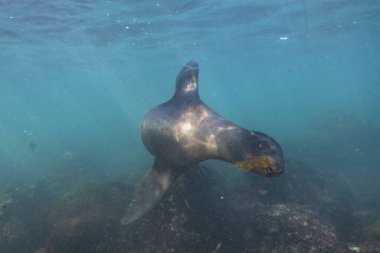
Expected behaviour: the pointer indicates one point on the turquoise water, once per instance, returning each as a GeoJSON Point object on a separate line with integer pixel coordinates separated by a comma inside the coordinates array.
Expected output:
{"type": "Point", "coordinates": [77, 77]}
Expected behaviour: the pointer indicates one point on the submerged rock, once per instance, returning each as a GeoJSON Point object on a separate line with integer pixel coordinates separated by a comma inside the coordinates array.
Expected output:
{"type": "Point", "coordinates": [287, 228]}
{"type": "Point", "coordinates": [374, 230]}
{"type": "Point", "coordinates": [87, 219]}
{"type": "Point", "coordinates": [185, 221]}
{"type": "Point", "coordinates": [21, 228]}
{"type": "Point", "coordinates": [201, 213]}
{"type": "Point", "coordinates": [301, 185]}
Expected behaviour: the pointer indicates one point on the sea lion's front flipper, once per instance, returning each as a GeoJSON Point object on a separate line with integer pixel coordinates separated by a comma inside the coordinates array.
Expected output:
{"type": "Point", "coordinates": [151, 190]}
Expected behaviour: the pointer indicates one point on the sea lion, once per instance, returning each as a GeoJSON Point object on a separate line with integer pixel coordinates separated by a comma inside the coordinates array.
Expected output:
{"type": "Point", "coordinates": [183, 132]}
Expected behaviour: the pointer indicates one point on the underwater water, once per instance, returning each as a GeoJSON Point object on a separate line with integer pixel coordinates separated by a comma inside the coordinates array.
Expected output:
{"type": "Point", "coordinates": [77, 78]}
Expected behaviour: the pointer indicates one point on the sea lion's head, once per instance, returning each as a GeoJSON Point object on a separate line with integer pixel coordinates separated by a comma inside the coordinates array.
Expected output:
{"type": "Point", "coordinates": [265, 156]}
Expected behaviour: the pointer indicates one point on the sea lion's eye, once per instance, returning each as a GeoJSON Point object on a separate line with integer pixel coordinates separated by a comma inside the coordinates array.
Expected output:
{"type": "Point", "coordinates": [263, 145]}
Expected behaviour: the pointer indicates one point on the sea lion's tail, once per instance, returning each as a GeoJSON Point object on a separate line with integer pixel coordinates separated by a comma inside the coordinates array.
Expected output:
{"type": "Point", "coordinates": [149, 192]}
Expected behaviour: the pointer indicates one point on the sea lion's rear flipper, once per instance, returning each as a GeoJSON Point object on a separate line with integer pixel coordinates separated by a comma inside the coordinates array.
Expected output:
{"type": "Point", "coordinates": [150, 191]}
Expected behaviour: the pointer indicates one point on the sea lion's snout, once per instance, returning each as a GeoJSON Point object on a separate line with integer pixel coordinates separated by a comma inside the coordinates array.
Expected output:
{"type": "Point", "coordinates": [274, 166]}
{"type": "Point", "coordinates": [265, 156]}
{"type": "Point", "coordinates": [264, 165]}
